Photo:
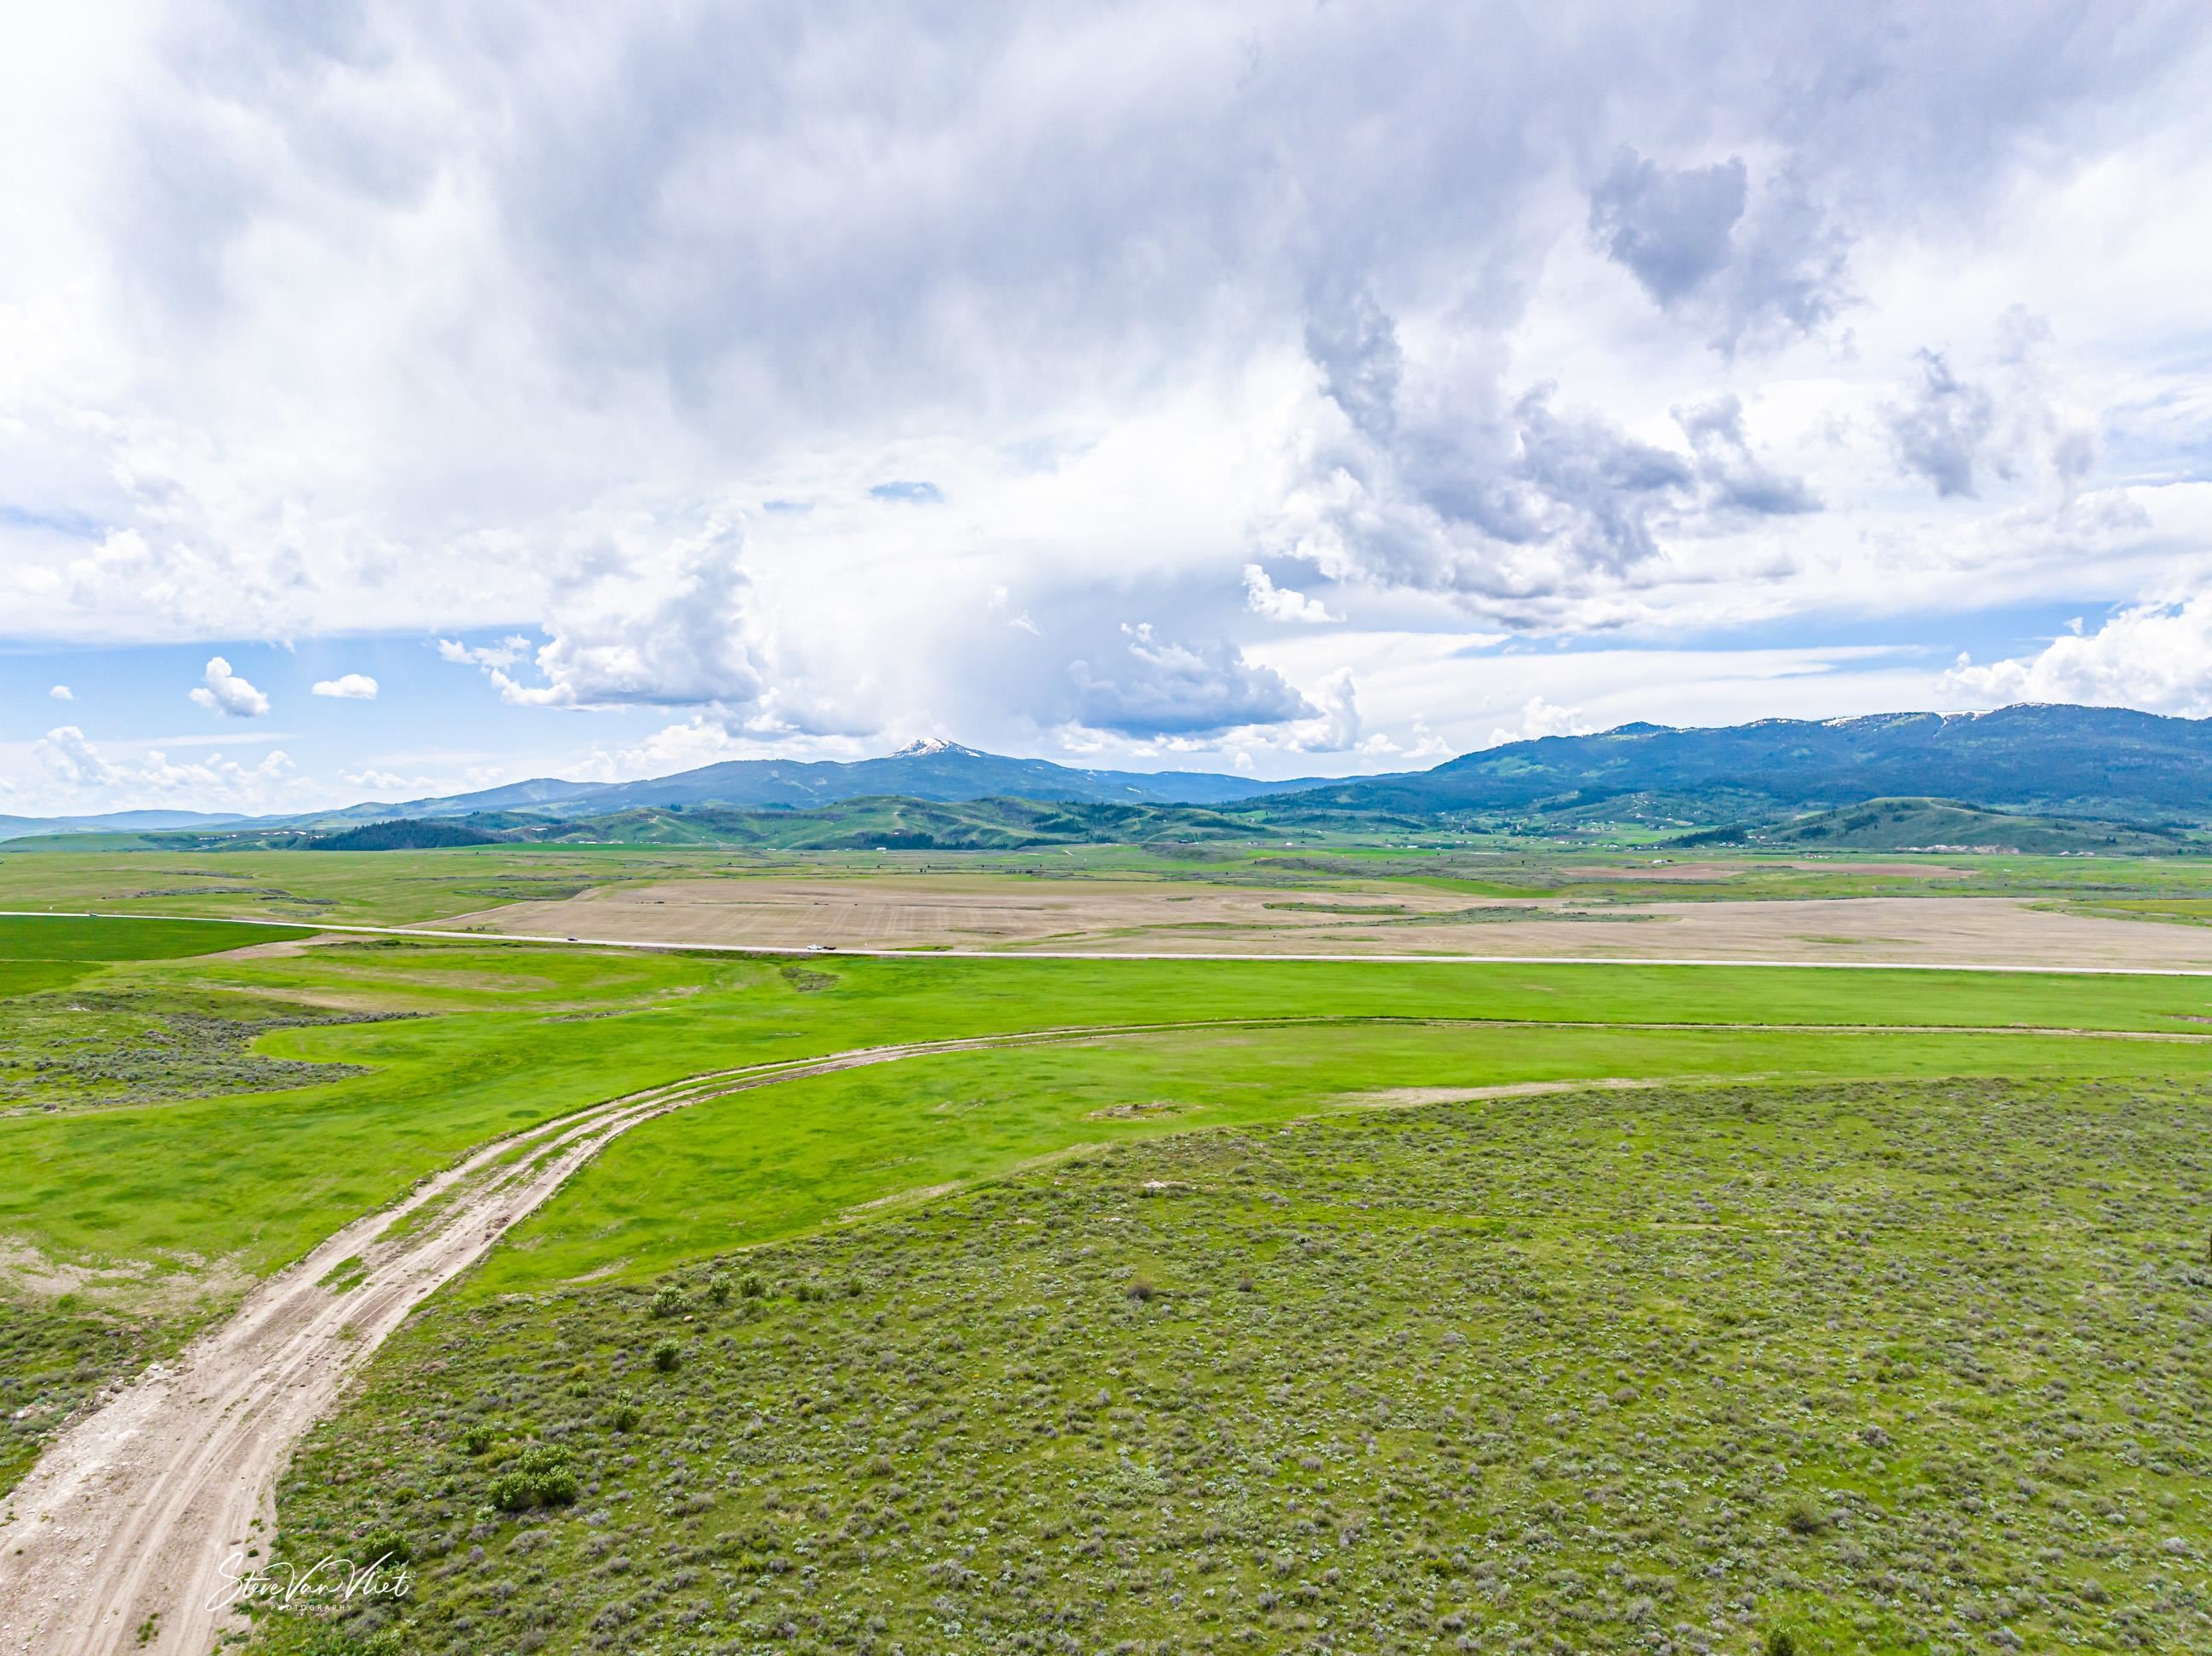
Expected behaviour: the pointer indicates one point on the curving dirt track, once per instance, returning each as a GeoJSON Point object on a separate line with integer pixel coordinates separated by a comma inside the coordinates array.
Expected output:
{"type": "Point", "coordinates": [135, 1511]}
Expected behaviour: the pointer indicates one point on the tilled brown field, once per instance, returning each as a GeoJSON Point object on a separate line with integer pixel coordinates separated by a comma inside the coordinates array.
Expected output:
{"type": "Point", "coordinates": [1022, 915]}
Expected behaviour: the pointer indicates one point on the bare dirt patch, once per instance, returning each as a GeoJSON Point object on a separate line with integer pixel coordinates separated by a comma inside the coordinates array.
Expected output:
{"type": "Point", "coordinates": [917, 911]}
{"type": "Point", "coordinates": [1149, 1110]}
{"type": "Point", "coordinates": [137, 1286]}
{"type": "Point", "coordinates": [1407, 1098]}
{"type": "Point", "coordinates": [1722, 872]}
{"type": "Point", "coordinates": [923, 1193]}
{"type": "Point", "coordinates": [1016, 915]}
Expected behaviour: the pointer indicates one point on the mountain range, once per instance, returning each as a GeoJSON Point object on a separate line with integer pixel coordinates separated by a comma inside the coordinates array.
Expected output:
{"type": "Point", "coordinates": [114, 822]}
{"type": "Point", "coordinates": [2105, 763]}
{"type": "Point", "coordinates": [2057, 759]}
{"type": "Point", "coordinates": [943, 771]}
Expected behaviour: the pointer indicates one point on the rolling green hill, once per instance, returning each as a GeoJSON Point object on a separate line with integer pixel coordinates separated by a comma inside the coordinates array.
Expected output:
{"type": "Point", "coordinates": [1944, 825]}
{"type": "Point", "coordinates": [899, 824]}
{"type": "Point", "coordinates": [406, 834]}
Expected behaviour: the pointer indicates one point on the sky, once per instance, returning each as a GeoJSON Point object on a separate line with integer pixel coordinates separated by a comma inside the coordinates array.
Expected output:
{"type": "Point", "coordinates": [397, 398]}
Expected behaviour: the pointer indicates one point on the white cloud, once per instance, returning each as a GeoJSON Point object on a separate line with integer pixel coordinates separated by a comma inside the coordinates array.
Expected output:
{"type": "Point", "coordinates": [347, 686]}
{"type": "Point", "coordinates": [1160, 688]}
{"type": "Point", "coordinates": [382, 781]}
{"type": "Point", "coordinates": [660, 626]}
{"type": "Point", "coordinates": [505, 653]}
{"type": "Point", "coordinates": [1539, 718]}
{"type": "Point", "coordinates": [90, 780]}
{"type": "Point", "coordinates": [1141, 334]}
{"type": "Point", "coordinates": [1263, 597]}
{"type": "Point", "coordinates": [227, 694]}
{"type": "Point", "coordinates": [71, 759]}
{"type": "Point", "coordinates": [702, 739]}
{"type": "Point", "coordinates": [62, 692]}
{"type": "Point", "coordinates": [2154, 657]}
{"type": "Point", "coordinates": [1338, 697]}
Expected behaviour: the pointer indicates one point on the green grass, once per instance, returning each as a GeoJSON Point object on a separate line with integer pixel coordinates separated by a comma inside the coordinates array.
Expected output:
{"type": "Point", "coordinates": [778, 1161]}
{"type": "Point", "coordinates": [530, 1033]}
{"type": "Point", "coordinates": [1890, 1368]}
{"type": "Point", "coordinates": [73, 938]}
{"type": "Point", "coordinates": [55, 1357]}
{"type": "Point", "coordinates": [52, 952]}
{"type": "Point", "coordinates": [158, 1193]}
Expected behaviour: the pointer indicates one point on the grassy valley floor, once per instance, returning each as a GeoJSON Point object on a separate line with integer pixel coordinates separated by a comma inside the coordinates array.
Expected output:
{"type": "Point", "coordinates": [1917, 1366]}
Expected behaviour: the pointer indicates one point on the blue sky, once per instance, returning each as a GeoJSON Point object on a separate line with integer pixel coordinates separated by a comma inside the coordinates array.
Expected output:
{"type": "Point", "coordinates": [1223, 386]}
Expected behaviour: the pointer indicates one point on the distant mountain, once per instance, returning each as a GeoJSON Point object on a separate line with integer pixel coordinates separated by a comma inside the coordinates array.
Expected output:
{"type": "Point", "coordinates": [941, 771]}
{"type": "Point", "coordinates": [1944, 825]}
{"type": "Point", "coordinates": [113, 822]}
{"type": "Point", "coordinates": [2103, 763]}
{"type": "Point", "coordinates": [2061, 760]}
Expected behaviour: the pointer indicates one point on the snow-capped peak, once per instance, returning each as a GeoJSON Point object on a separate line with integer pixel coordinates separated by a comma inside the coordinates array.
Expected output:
{"type": "Point", "coordinates": [933, 744]}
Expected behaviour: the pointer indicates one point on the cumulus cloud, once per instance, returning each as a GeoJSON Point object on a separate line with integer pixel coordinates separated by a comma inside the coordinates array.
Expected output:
{"type": "Point", "coordinates": [1671, 227]}
{"type": "Point", "coordinates": [381, 780]}
{"type": "Point", "coordinates": [2154, 657]}
{"type": "Point", "coordinates": [1733, 477]}
{"type": "Point", "coordinates": [224, 692]}
{"type": "Point", "coordinates": [1539, 718]}
{"type": "Point", "coordinates": [654, 628]}
{"type": "Point", "coordinates": [348, 687]}
{"type": "Point", "coordinates": [1684, 232]}
{"type": "Point", "coordinates": [610, 276]}
{"type": "Point", "coordinates": [1263, 597]}
{"type": "Point", "coordinates": [1941, 432]}
{"type": "Point", "coordinates": [1437, 478]}
{"type": "Point", "coordinates": [71, 759]}
{"type": "Point", "coordinates": [1355, 345]}
{"type": "Point", "coordinates": [62, 692]}
{"type": "Point", "coordinates": [2013, 420]}
{"type": "Point", "coordinates": [89, 778]}
{"type": "Point", "coordinates": [1339, 726]}
{"type": "Point", "coordinates": [1158, 688]}
{"type": "Point", "coordinates": [504, 653]}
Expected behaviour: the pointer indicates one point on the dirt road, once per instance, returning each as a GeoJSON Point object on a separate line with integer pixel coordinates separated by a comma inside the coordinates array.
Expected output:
{"type": "Point", "coordinates": [136, 1519]}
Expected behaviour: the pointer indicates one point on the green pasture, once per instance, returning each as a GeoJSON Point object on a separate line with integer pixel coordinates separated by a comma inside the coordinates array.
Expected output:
{"type": "Point", "coordinates": [1906, 1368]}
{"type": "Point", "coordinates": [507, 1035]}
{"type": "Point", "coordinates": [51, 952]}
{"type": "Point", "coordinates": [777, 1161]}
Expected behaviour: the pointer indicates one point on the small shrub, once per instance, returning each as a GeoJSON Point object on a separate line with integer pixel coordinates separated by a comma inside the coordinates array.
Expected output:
{"type": "Point", "coordinates": [475, 1440]}
{"type": "Point", "coordinates": [1781, 1641]}
{"type": "Point", "coordinates": [1803, 1518]}
{"type": "Point", "coordinates": [388, 1546]}
{"type": "Point", "coordinates": [539, 1477]}
{"type": "Point", "coordinates": [668, 1356]}
{"type": "Point", "coordinates": [1141, 1288]}
{"type": "Point", "coordinates": [718, 1288]}
{"type": "Point", "coordinates": [751, 1287]}
{"type": "Point", "coordinates": [668, 1300]}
